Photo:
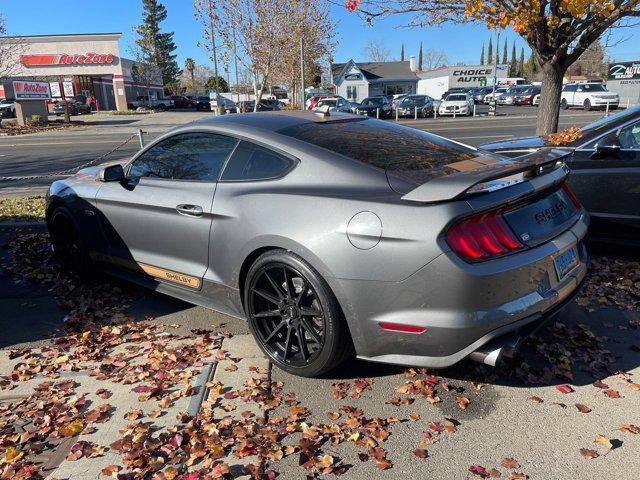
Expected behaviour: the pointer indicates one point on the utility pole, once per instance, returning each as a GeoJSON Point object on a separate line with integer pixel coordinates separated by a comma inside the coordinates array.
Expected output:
{"type": "Point", "coordinates": [215, 57]}
{"type": "Point", "coordinates": [302, 72]}
{"type": "Point", "coordinates": [493, 107]}
{"type": "Point", "coordinates": [235, 56]}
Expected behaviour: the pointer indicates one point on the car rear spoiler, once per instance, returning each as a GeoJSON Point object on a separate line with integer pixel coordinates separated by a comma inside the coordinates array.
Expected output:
{"type": "Point", "coordinates": [482, 170]}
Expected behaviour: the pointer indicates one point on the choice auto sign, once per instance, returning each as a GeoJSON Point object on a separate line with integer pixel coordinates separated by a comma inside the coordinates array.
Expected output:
{"type": "Point", "coordinates": [23, 90]}
{"type": "Point", "coordinates": [68, 59]}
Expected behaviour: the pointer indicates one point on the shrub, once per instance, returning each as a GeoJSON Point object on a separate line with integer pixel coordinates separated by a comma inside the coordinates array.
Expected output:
{"type": "Point", "coordinates": [35, 121]}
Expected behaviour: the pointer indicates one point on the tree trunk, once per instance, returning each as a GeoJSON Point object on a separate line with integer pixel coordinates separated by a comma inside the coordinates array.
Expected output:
{"type": "Point", "coordinates": [552, 74]}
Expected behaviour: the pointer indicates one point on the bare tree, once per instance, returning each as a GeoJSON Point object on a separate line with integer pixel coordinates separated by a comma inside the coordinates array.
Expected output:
{"type": "Point", "coordinates": [10, 49]}
{"type": "Point", "coordinates": [310, 19]}
{"type": "Point", "coordinates": [375, 51]}
{"type": "Point", "coordinates": [434, 59]}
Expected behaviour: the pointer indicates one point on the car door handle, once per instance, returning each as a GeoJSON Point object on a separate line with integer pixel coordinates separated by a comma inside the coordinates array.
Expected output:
{"type": "Point", "coordinates": [190, 210]}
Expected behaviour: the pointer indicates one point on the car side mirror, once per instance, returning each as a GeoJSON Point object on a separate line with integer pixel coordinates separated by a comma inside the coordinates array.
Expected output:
{"type": "Point", "coordinates": [112, 173]}
{"type": "Point", "coordinates": [608, 145]}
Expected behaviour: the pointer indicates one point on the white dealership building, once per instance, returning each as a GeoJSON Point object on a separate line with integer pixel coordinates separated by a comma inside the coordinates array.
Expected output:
{"type": "Point", "coordinates": [435, 82]}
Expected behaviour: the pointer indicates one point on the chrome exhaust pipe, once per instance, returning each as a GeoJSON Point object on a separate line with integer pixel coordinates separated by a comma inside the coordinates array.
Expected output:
{"type": "Point", "coordinates": [492, 352]}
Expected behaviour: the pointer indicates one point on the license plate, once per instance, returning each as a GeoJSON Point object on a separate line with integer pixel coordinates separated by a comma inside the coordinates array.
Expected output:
{"type": "Point", "coordinates": [565, 262]}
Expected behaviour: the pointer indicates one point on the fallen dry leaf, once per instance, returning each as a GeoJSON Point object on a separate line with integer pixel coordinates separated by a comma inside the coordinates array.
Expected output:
{"type": "Point", "coordinates": [421, 453]}
{"type": "Point", "coordinates": [564, 388]}
{"type": "Point", "coordinates": [586, 453]}
{"type": "Point", "coordinates": [510, 463]}
{"type": "Point", "coordinates": [582, 408]}
{"type": "Point", "coordinates": [604, 441]}
{"type": "Point", "coordinates": [629, 428]}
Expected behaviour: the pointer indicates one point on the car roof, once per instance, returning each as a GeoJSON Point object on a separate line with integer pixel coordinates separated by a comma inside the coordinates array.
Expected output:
{"type": "Point", "coordinates": [276, 120]}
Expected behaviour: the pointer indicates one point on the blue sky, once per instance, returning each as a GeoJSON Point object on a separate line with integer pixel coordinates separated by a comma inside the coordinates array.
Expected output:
{"type": "Point", "coordinates": [461, 43]}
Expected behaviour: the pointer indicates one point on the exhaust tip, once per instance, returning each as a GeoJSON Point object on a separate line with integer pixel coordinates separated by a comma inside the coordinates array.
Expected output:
{"type": "Point", "coordinates": [491, 353]}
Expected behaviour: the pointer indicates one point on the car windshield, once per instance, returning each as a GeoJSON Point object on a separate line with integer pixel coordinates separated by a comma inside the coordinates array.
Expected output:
{"type": "Point", "coordinates": [604, 123]}
{"type": "Point", "coordinates": [413, 155]}
{"type": "Point", "coordinates": [372, 101]}
{"type": "Point", "coordinates": [4, 101]}
{"type": "Point", "coordinates": [456, 98]}
{"type": "Point", "coordinates": [593, 87]}
{"type": "Point", "coordinates": [329, 102]}
{"type": "Point", "coordinates": [203, 99]}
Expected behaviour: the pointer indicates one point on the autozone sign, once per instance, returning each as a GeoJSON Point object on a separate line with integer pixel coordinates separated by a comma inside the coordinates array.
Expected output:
{"type": "Point", "coordinates": [67, 59]}
{"type": "Point", "coordinates": [23, 90]}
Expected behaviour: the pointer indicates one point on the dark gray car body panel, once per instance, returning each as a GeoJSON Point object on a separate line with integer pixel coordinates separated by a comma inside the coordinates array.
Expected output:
{"type": "Point", "coordinates": [408, 274]}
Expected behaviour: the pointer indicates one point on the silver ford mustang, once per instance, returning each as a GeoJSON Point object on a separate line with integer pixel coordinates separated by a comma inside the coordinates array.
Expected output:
{"type": "Point", "coordinates": [335, 235]}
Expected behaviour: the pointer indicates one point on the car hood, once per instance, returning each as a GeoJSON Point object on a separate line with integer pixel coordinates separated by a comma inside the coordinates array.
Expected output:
{"type": "Point", "coordinates": [457, 103]}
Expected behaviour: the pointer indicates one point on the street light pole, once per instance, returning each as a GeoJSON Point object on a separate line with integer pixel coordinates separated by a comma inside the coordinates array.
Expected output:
{"type": "Point", "coordinates": [302, 72]}
{"type": "Point", "coordinates": [494, 110]}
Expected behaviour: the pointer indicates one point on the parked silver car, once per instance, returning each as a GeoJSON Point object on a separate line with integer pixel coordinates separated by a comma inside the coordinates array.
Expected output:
{"type": "Point", "coordinates": [335, 235]}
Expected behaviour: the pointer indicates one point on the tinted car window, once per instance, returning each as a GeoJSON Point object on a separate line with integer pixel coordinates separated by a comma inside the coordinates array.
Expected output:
{"type": "Point", "coordinates": [630, 137]}
{"type": "Point", "coordinates": [253, 162]}
{"type": "Point", "coordinates": [407, 152]}
{"type": "Point", "coordinates": [189, 156]}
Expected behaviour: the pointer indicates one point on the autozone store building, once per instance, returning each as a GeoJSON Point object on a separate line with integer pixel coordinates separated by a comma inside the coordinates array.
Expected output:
{"type": "Point", "coordinates": [77, 64]}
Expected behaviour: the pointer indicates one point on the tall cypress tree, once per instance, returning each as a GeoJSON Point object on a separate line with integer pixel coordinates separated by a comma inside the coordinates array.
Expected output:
{"type": "Point", "coordinates": [482, 55]}
{"type": "Point", "coordinates": [521, 63]}
{"type": "Point", "coordinates": [513, 65]}
{"type": "Point", "coordinates": [420, 57]}
{"type": "Point", "coordinates": [504, 53]}
{"type": "Point", "coordinates": [154, 13]}
{"type": "Point", "coordinates": [490, 52]}
{"type": "Point", "coordinates": [402, 53]}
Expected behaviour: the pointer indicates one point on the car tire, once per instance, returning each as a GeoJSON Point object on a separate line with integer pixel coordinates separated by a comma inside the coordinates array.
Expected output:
{"type": "Point", "coordinates": [67, 243]}
{"type": "Point", "coordinates": [162, 107]}
{"type": "Point", "coordinates": [278, 320]}
{"type": "Point", "coordinates": [564, 104]}
{"type": "Point", "coordinates": [587, 105]}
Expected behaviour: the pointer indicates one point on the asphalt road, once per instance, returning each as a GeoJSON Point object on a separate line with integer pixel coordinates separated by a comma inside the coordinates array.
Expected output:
{"type": "Point", "coordinates": [46, 153]}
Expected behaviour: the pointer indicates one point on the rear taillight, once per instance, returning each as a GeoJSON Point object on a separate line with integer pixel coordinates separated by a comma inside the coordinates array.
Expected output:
{"type": "Point", "coordinates": [482, 237]}
{"type": "Point", "coordinates": [571, 196]}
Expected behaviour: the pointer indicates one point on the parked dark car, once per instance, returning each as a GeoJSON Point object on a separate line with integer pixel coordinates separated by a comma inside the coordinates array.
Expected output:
{"type": "Point", "coordinates": [180, 101]}
{"type": "Point", "coordinates": [454, 90]}
{"type": "Point", "coordinates": [265, 106]}
{"type": "Point", "coordinates": [374, 106]}
{"type": "Point", "coordinates": [411, 105]}
{"type": "Point", "coordinates": [605, 173]}
{"type": "Point", "coordinates": [526, 97]}
{"type": "Point", "coordinates": [77, 106]}
{"type": "Point", "coordinates": [335, 236]}
{"type": "Point", "coordinates": [203, 103]}
{"type": "Point", "coordinates": [480, 93]}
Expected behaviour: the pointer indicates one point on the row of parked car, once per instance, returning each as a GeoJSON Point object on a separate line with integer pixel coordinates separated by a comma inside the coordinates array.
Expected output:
{"type": "Point", "coordinates": [387, 106]}
{"type": "Point", "coordinates": [586, 95]}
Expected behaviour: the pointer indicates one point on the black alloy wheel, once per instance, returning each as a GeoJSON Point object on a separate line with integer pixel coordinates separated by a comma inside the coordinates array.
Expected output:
{"type": "Point", "coordinates": [66, 241]}
{"type": "Point", "coordinates": [293, 315]}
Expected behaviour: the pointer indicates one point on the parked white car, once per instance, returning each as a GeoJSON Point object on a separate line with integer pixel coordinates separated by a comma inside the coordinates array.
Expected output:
{"type": "Point", "coordinates": [536, 101]}
{"type": "Point", "coordinates": [7, 108]}
{"type": "Point", "coordinates": [499, 91]}
{"type": "Point", "coordinates": [456, 104]}
{"type": "Point", "coordinates": [333, 104]}
{"type": "Point", "coordinates": [588, 96]}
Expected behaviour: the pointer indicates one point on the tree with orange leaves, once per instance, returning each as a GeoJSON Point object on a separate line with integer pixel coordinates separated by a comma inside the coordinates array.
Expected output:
{"type": "Point", "coordinates": [558, 31]}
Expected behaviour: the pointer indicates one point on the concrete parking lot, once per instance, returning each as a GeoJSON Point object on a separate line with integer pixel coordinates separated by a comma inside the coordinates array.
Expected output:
{"type": "Point", "coordinates": [537, 416]}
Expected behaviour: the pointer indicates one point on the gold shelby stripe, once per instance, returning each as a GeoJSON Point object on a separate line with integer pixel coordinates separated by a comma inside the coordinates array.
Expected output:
{"type": "Point", "coordinates": [156, 272]}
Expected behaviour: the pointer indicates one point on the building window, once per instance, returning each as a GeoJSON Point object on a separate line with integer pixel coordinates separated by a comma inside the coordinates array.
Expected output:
{"type": "Point", "coordinates": [352, 92]}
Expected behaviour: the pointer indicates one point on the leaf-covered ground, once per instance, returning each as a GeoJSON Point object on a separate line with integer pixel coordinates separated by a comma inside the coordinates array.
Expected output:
{"type": "Point", "coordinates": [366, 421]}
{"type": "Point", "coordinates": [22, 209]}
